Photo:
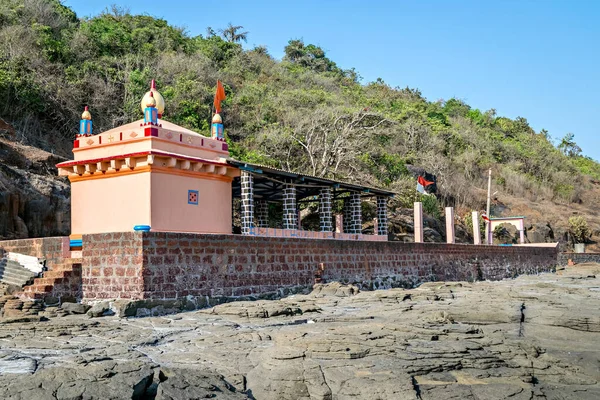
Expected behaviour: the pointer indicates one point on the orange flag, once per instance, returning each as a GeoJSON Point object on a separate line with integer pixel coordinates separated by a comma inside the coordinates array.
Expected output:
{"type": "Point", "coordinates": [219, 96]}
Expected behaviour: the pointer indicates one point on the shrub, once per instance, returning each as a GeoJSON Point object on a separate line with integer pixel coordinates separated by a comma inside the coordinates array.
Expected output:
{"type": "Point", "coordinates": [431, 206]}
{"type": "Point", "coordinates": [469, 223]}
{"type": "Point", "coordinates": [579, 229]}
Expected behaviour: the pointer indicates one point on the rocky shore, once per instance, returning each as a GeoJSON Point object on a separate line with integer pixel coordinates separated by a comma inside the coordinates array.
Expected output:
{"type": "Point", "coordinates": [534, 337]}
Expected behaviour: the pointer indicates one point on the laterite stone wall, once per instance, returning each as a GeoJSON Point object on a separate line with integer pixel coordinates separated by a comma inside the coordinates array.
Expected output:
{"type": "Point", "coordinates": [155, 265]}
{"type": "Point", "coordinates": [53, 249]}
{"type": "Point", "coordinates": [578, 258]}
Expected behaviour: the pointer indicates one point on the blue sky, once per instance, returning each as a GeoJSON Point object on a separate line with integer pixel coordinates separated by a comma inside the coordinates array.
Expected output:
{"type": "Point", "coordinates": [536, 59]}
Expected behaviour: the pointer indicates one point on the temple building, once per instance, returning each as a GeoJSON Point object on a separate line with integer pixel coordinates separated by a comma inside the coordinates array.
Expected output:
{"type": "Point", "coordinates": [152, 175]}
{"type": "Point", "coordinates": [164, 218]}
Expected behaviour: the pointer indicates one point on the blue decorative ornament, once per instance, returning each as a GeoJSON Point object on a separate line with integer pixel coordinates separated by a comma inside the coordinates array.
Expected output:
{"type": "Point", "coordinates": [85, 125]}
{"type": "Point", "coordinates": [216, 129]}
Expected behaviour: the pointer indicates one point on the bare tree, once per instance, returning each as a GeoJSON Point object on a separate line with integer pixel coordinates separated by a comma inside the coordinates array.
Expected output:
{"type": "Point", "coordinates": [333, 140]}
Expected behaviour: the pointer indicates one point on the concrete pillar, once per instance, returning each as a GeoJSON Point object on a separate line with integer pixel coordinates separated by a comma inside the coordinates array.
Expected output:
{"type": "Point", "coordinates": [290, 213]}
{"type": "Point", "coordinates": [247, 214]}
{"type": "Point", "coordinates": [356, 214]}
{"type": "Point", "coordinates": [450, 238]}
{"type": "Point", "coordinates": [262, 213]}
{"type": "Point", "coordinates": [382, 216]}
{"type": "Point", "coordinates": [476, 231]}
{"type": "Point", "coordinates": [418, 222]}
{"type": "Point", "coordinates": [325, 210]}
{"type": "Point", "coordinates": [339, 223]}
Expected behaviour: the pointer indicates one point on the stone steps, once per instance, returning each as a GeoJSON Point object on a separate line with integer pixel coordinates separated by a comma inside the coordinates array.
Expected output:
{"type": "Point", "coordinates": [13, 273]}
{"type": "Point", "coordinates": [66, 277]}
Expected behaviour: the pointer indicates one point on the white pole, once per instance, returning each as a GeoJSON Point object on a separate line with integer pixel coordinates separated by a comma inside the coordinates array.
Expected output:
{"type": "Point", "coordinates": [488, 224]}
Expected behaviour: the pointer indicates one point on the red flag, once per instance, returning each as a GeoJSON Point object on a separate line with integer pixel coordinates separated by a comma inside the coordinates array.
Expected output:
{"type": "Point", "coordinates": [485, 217]}
{"type": "Point", "coordinates": [219, 96]}
{"type": "Point", "coordinates": [424, 182]}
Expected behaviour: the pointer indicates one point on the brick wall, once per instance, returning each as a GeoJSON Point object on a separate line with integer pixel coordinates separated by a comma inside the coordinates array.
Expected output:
{"type": "Point", "coordinates": [53, 249]}
{"type": "Point", "coordinates": [157, 265]}
{"type": "Point", "coordinates": [112, 266]}
{"type": "Point", "coordinates": [563, 258]}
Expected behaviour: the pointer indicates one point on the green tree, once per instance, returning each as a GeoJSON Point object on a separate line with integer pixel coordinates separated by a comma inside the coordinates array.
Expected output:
{"type": "Point", "coordinates": [568, 146]}
{"type": "Point", "coordinates": [233, 35]}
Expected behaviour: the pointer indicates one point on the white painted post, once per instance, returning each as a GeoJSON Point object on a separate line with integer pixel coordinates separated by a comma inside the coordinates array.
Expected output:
{"type": "Point", "coordinates": [375, 226]}
{"type": "Point", "coordinates": [418, 222]}
{"type": "Point", "coordinates": [476, 231]}
{"type": "Point", "coordinates": [450, 225]}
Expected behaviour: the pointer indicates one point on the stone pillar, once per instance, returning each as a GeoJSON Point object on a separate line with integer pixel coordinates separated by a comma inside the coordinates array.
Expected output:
{"type": "Point", "coordinates": [262, 214]}
{"type": "Point", "coordinates": [382, 216]}
{"type": "Point", "coordinates": [325, 210]}
{"type": "Point", "coordinates": [247, 214]}
{"type": "Point", "coordinates": [450, 225]}
{"type": "Point", "coordinates": [476, 231]}
{"type": "Point", "coordinates": [290, 213]}
{"type": "Point", "coordinates": [418, 222]}
{"type": "Point", "coordinates": [355, 214]}
{"type": "Point", "coordinates": [347, 216]}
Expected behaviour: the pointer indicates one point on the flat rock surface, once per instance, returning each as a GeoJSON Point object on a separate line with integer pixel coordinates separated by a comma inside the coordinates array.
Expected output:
{"type": "Point", "coordinates": [534, 337]}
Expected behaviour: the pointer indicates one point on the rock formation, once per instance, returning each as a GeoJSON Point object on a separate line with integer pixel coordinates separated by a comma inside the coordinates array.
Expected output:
{"type": "Point", "coordinates": [34, 201]}
{"type": "Point", "coordinates": [535, 337]}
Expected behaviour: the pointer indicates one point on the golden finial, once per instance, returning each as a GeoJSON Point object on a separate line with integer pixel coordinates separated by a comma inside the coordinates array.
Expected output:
{"type": "Point", "coordinates": [151, 102]}
{"type": "Point", "coordinates": [217, 119]}
{"type": "Point", "coordinates": [86, 114]}
{"type": "Point", "coordinates": [159, 100]}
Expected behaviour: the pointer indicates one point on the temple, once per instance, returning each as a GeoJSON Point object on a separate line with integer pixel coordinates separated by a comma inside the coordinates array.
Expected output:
{"type": "Point", "coordinates": [163, 217]}
{"type": "Point", "coordinates": [152, 175]}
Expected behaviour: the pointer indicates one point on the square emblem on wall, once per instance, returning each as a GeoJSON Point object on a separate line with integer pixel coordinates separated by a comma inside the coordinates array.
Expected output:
{"type": "Point", "coordinates": [193, 197]}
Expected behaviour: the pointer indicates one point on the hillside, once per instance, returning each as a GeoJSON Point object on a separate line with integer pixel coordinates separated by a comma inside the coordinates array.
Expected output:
{"type": "Point", "coordinates": [301, 113]}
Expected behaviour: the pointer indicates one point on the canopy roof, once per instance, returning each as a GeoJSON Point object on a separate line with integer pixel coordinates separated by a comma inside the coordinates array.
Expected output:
{"type": "Point", "coordinates": [269, 183]}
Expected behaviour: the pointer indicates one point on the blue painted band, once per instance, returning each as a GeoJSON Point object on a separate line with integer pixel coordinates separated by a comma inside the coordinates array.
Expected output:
{"type": "Point", "coordinates": [75, 243]}
{"type": "Point", "coordinates": [142, 228]}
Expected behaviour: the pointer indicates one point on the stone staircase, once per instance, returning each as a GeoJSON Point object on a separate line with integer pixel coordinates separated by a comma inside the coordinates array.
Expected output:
{"type": "Point", "coordinates": [13, 273]}
{"type": "Point", "coordinates": [63, 280]}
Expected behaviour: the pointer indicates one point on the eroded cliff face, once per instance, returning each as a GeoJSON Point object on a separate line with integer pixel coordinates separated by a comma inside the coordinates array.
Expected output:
{"type": "Point", "coordinates": [34, 201]}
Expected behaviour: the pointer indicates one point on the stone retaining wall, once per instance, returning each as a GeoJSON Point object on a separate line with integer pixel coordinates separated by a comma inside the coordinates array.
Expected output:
{"type": "Point", "coordinates": [54, 249]}
{"type": "Point", "coordinates": [578, 258]}
{"type": "Point", "coordinates": [163, 266]}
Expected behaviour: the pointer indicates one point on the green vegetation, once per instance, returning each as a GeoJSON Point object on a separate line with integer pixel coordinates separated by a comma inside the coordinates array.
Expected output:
{"type": "Point", "coordinates": [303, 113]}
{"type": "Point", "coordinates": [579, 229]}
{"type": "Point", "coordinates": [431, 206]}
{"type": "Point", "coordinates": [468, 220]}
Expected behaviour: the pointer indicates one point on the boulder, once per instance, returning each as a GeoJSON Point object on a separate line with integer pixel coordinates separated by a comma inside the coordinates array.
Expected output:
{"type": "Point", "coordinates": [540, 233]}
{"type": "Point", "coordinates": [99, 310]}
{"type": "Point", "coordinates": [75, 308]}
{"type": "Point", "coordinates": [506, 234]}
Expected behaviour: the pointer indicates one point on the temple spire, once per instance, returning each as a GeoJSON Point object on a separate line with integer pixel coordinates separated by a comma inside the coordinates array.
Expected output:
{"type": "Point", "coordinates": [85, 124]}
{"type": "Point", "coordinates": [160, 101]}
{"type": "Point", "coordinates": [150, 112]}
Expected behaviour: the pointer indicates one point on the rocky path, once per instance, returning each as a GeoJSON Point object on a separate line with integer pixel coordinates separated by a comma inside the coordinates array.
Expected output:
{"type": "Point", "coordinates": [535, 337]}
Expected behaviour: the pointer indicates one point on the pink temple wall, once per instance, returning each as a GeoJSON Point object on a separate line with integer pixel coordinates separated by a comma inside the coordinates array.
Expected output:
{"type": "Point", "coordinates": [110, 204]}
{"type": "Point", "coordinates": [171, 211]}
